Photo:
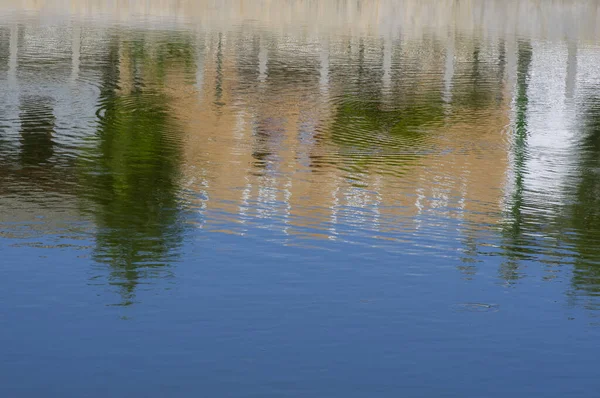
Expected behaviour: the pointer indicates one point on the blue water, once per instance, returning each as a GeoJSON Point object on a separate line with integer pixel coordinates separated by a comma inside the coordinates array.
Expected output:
{"type": "Point", "coordinates": [260, 200]}
{"type": "Point", "coordinates": [241, 317]}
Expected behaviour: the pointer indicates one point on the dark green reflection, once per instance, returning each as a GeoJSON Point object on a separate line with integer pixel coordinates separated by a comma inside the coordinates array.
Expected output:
{"type": "Point", "coordinates": [367, 131]}
{"type": "Point", "coordinates": [585, 210]}
{"type": "Point", "coordinates": [514, 241]}
{"type": "Point", "coordinates": [37, 129]}
{"type": "Point", "coordinates": [371, 126]}
{"type": "Point", "coordinates": [131, 176]}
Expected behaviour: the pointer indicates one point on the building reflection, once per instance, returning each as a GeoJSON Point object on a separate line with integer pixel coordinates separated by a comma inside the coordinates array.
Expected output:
{"type": "Point", "coordinates": [32, 153]}
{"type": "Point", "coordinates": [371, 130]}
{"type": "Point", "coordinates": [329, 144]}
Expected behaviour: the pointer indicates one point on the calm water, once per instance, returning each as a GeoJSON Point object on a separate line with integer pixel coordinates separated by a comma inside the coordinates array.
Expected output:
{"type": "Point", "coordinates": [300, 198]}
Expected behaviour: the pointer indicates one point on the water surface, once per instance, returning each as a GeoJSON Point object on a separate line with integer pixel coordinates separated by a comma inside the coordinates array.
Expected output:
{"type": "Point", "coordinates": [301, 198]}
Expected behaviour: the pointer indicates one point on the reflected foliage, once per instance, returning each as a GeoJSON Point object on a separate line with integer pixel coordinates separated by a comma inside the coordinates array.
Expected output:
{"type": "Point", "coordinates": [585, 211]}
{"type": "Point", "coordinates": [131, 176]}
{"type": "Point", "coordinates": [358, 115]}
{"type": "Point", "coordinates": [515, 244]}
{"type": "Point", "coordinates": [365, 111]}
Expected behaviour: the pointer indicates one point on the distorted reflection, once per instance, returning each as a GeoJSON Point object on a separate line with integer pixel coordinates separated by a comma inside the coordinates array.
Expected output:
{"type": "Point", "coordinates": [516, 243]}
{"type": "Point", "coordinates": [130, 169]}
{"type": "Point", "coordinates": [460, 140]}
{"type": "Point", "coordinates": [37, 129]}
{"type": "Point", "coordinates": [584, 213]}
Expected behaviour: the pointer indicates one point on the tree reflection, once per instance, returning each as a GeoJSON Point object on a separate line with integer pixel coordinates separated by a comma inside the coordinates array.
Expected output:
{"type": "Point", "coordinates": [374, 124]}
{"type": "Point", "coordinates": [585, 210]}
{"type": "Point", "coordinates": [513, 229]}
{"type": "Point", "coordinates": [131, 177]}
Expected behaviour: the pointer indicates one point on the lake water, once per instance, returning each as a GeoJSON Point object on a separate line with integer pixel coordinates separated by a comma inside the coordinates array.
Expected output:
{"type": "Point", "coordinates": [299, 199]}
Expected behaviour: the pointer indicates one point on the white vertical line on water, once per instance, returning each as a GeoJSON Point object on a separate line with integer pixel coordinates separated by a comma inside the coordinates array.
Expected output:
{"type": "Point", "coordinates": [386, 79]}
{"type": "Point", "coordinates": [75, 52]}
{"type": "Point", "coordinates": [13, 56]}
{"type": "Point", "coordinates": [420, 205]}
{"type": "Point", "coordinates": [511, 80]}
{"type": "Point", "coordinates": [287, 202]}
{"type": "Point", "coordinates": [324, 66]}
{"type": "Point", "coordinates": [333, 233]}
{"type": "Point", "coordinates": [511, 64]}
{"type": "Point", "coordinates": [245, 201]}
{"type": "Point", "coordinates": [201, 45]}
{"type": "Point", "coordinates": [377, 202]}
{"type": "Point", "coordinates": [242, 137]}
{"type": "Point", "coordinates": [449, 70]}
{"type": "Point", "coordinates": [263, 59]}
{"type": "Point", "coordinates": [572, 31]}
{"type": "Point", "coordinates": [11, 94]}
{"type": "Point", "coordinates": [571, 77]}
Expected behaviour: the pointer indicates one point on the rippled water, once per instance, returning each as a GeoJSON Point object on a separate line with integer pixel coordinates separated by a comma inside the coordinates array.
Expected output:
{"type": "Point", "coordinates": [302, 198]}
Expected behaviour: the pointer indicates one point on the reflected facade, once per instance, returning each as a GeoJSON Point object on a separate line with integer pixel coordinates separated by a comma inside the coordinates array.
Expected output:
{"type": "Point", "coordinates": [381, 126]}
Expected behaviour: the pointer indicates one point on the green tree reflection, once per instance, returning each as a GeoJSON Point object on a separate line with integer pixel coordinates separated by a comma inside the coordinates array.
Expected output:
{"type": "Point", "coordinates": [130, 175]}
{"type": "Point", "coordinates": [585, 210]}
{"type": "Point", "coordinates": [373, 125]}
{"type": "Point", "coordinates": [514, 241]}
